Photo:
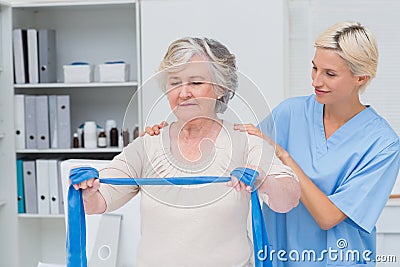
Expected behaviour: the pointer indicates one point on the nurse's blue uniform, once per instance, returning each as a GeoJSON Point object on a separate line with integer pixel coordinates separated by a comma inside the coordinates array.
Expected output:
{"type": "Point", "coordinates": [356, 168]}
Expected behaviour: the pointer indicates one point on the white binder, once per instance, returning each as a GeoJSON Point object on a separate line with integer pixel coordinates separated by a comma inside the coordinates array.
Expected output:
{"type": "Point", "coordinates": [63, 121]}
{"type": "Point", "coordinates": [33, 60]}
{"type": "Point", "coordinates": [42, 122]}
{"type": "Point", "coordinates": [53, 135]}
{"type": "Point", "coordinates": [54, 187]}
{"type": "Point", "coordinates": [19, 121]}
{"type": "Point", "coordinates": [29, 170]}
{"type": "Point", "coordinates": [42, 180]}
{"type": "Point", "coordinates": [20, 55]}
{"type": "Point", "coordinates": [47, 56]}
{"type": "Point", "coordinates": [30, 121]}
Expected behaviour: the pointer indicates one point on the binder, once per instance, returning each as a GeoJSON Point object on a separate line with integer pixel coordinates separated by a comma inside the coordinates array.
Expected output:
{"type": "Point", "coordinates": [33, 61]}
{"type": "Point", "coordinates": [47, 56]}
{"type": "Point", "coordinates": [30, 192]}
{"type": "Point", "coordinates": [20, 187]}
{"type": "Point", "coordinates": [42, 180]}
{"type": "Point", "coordinates": [42, 122]}
{"type": "Point", "coordinates": [20, 55]}
{"type": "Point", "coordinates": [54, 187]}
{"type": "Point", "coordinates": [63, 121]}
{"type": "Point", "coordinates": [19, 121]}
{"type": "Point", "coordinates": [30, 122]}
{"type": "Point", "coordinates": [53, 121]}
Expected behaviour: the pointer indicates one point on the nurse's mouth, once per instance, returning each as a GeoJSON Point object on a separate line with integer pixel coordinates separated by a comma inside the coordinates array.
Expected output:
{"type": "Point", "coordinates": [320, 92]}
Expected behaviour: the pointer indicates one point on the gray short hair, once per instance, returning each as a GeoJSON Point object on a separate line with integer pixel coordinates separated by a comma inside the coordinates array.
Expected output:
{"type": "Point", "coordinates": [224, 70]}
{"type": "Point", "coordinates": [356, 44]}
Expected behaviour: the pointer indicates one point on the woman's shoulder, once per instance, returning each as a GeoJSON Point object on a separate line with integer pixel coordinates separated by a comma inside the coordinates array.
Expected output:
{"type": "Point", "coordinates": [380, 127]}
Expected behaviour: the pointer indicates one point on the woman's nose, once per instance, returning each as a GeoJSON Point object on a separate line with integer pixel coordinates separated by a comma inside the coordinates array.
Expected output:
{"type": "Point", "coordinates": [185, 91]}
{"type": "Point", "coordinates": [316, 79]}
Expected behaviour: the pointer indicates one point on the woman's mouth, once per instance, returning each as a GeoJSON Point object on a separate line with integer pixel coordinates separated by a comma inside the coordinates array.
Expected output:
{"type": "Point", "coordinates": [321, 92]}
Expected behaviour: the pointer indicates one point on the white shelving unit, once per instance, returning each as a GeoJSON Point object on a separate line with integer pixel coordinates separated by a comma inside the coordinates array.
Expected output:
{"type": "Point", "coordinates": [89, 31]}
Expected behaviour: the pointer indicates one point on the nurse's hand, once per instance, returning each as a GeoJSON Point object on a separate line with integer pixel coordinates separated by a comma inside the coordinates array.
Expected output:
{"type": "Point", "coordinates": [250, 129]}
{"type": "Point", "coordinates": [281, 153]}
{"type": "Point", "coordinates": [154, 130]}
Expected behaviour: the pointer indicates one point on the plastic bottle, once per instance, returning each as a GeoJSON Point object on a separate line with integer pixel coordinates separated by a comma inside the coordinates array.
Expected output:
{"type": "Point", "coordinates": [109, 124]}
{"type": "Point", "coordinates": [90, 134]}
{"type": "Point", "coordinates": [102, 139]}
{"type": "Point", "coordinates": [114, 137]}
{"type": "Point", "coordinates": [125, 137]}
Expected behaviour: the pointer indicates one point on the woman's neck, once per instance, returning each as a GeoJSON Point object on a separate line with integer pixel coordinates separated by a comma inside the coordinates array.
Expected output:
{"type": "Point", "coordinates": [336, 115]}
{"type": "Point", "coordinates": [341, 113]}
{"type": "Point", "coordinates": [198, 129]}
{"type": "Point", "coordinates": [194, 141]}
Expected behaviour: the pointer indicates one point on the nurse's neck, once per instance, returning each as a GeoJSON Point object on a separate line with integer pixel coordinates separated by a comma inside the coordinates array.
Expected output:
{"type": "Point", "coordinates": [336, 115]}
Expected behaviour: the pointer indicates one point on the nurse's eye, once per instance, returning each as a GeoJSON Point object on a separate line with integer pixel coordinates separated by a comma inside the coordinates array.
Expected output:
{"type": "Point", "coordinates": [331, 74]}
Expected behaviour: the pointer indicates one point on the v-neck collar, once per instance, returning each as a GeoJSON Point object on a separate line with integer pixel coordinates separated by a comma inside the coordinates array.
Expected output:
{"type": "Point", "coordinates": [356, 122]}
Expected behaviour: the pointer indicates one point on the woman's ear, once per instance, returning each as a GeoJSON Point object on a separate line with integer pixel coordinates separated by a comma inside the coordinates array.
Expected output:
{"type": "Point", "coordinates": [362, 79]}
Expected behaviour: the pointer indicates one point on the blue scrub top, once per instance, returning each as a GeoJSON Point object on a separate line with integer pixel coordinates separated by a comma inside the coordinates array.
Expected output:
{"type": "Point", "coordinates": [356, 168]}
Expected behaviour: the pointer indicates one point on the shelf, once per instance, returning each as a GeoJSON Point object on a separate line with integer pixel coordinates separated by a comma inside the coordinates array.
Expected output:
{"type": "Point", "coordinates": [72, 4]}
{"type": "Point", "coordinates": [69, 150]}
{"type": "Point", "coordinates": [75, 85]}
{"type": "Point", "coordinates": [41, 216]}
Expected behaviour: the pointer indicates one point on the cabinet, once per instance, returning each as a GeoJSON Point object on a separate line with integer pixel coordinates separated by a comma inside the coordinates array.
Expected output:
{"type": "Point", "coordinates": [88, 31]}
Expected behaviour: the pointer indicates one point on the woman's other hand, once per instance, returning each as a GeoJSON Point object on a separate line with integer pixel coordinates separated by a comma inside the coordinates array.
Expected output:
{"type": "Point", "coordinates": [93, 201]}
{"type": "Point", "coordinates": [89, 187]}
{"type": "Point", "coordinates": [238, 185]}
{"type": "Point", "coordinates": [154, 130]}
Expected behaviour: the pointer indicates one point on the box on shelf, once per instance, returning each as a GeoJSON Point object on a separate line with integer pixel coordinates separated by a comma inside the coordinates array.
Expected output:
{"type": "Point", "coordinates": [78, 73]}
{"type": "Point", "coordinates": [114, 72]}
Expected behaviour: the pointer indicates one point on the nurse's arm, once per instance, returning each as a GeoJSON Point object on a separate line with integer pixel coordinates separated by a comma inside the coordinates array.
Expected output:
{"type": "Point", "coordinates": [322, 209]}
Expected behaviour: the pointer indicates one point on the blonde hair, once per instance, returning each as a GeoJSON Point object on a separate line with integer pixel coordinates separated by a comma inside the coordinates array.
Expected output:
{"type": "Point", "coordinates": [356, 44]}
{"type": "Point", "coordinates": [223, 70]}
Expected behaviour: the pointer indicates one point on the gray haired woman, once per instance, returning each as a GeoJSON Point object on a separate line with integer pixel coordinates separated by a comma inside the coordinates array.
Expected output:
{"type": "Point", "coordinates": [197, 225]}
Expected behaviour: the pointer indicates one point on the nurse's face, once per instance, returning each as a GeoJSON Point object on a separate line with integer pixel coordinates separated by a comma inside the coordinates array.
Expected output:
{"type": "Point", "coordinates": [332, 79]}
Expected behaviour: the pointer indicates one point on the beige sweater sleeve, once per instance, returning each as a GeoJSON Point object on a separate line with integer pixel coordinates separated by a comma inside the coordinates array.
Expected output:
{"type": "Point", "coordinates": [129, 163]}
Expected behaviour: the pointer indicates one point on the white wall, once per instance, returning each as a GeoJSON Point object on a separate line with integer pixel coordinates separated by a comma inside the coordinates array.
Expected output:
{"type": "Point", "coordinates": [253, 30]}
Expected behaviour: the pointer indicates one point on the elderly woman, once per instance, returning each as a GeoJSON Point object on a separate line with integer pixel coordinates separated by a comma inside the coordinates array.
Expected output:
{"type": "Point", "coordinates": [197, 225]}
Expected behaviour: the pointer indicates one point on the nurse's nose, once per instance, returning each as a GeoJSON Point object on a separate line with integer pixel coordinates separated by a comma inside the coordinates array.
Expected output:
{"type": "Point", "coordinates": [316, 79]}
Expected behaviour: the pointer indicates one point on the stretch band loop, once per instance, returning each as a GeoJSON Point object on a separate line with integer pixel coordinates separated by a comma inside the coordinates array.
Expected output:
{"type": "Point", "coordinates": [76, 233]}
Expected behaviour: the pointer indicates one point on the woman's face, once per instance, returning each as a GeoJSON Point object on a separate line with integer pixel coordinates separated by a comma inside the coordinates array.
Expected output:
{"type": "Point", "coordinates": [191, 92]}
{"type": "Point", "coordinates": [332, 79]}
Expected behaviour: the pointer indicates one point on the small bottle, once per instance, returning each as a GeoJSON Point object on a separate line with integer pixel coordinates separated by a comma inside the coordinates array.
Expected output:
{"type": "Point", "coordinates": [75, 141]}
{"type": "Point", "coordinates": [125, 137]}
{"type": "Point", "coordinates": [109, 124]}
{"type": "Point", "coordinates": [102, 139]}
{"type": "Point", "coordinates": [136, 132]}
{"type": "Point", "coordinates": [90, 135]}
{"type": "Point", "coordinates": [114, 137]}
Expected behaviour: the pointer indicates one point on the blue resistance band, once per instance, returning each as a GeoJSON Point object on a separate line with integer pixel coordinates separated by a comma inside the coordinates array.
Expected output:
{"type": "Point", "coordinates": [76, 234]}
